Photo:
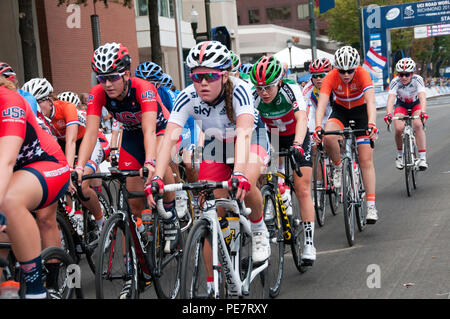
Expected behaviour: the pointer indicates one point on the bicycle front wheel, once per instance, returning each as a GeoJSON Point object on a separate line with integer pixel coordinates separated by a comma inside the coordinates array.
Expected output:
{"type": "Point", "coordinates": [333, 192]}
{"type": "Point", "coordinates": [197, 264]}
{"type": "Point", "coordinates": [319, 191]}
{"type": "Point", "coordinates": [116, 275]}
{"type": "Point", "coordinates": [361, 208]}
{"type": "Point", "coordinates": [348, 201]}
{"type": "Point", "coordinates": [297, 239]}
{"type": "Point", "coordinates": [273, 223]}
{"type": "Point", "coordinates": [408, 164]}
{"type": "Point", "coordinates": [56, 263]}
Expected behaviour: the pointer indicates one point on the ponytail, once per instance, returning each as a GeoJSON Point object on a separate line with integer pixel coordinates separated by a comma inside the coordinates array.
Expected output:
{"type": "Point", "coordinates": [229, 87]}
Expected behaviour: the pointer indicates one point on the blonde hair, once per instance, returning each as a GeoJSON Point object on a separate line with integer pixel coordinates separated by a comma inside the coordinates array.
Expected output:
{"type": "Point", "coordinates": [7, 84]}
{"type": "Point", "coordinates": [229, 87]}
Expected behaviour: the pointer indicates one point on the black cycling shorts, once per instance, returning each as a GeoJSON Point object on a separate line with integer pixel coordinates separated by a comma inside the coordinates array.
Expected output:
{"type": "Point", "coordinates": [286, 141]}
{"type": "Point", "coordinates": [342, 116]}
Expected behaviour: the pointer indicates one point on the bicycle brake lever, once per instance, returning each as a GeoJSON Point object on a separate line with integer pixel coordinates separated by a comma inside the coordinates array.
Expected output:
{"type": "Point", "coordinates": [74, 177]}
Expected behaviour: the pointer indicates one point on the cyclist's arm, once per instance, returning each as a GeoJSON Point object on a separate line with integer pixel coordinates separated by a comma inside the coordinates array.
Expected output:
{"type": "Point", "coordinates": [300, 127]}
{"type": "Point", "coordinates": [149, 131]}
{"type": "Point", "coordinates": [390, 103]}
{"type": "Point", "coordinates": [89, 139]}
{"type": "Point", "coordinates": [369, 96]}
{"type": "Point", "coordinates": [423, 101]}
{"type": "Point", "coordinates": [171, 136]}
{"type": "Point", "coordinates": [321, 108]}
{"type": "Point", "coordinates": [71, 139]}
{"type": "Point", "coordinates": [244, 129]}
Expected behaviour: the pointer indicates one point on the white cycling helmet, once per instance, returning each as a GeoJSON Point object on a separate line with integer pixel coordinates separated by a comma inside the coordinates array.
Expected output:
{"type": "Point", "coordinates": [40, 88]}
{"type": "Point", "coordinates": [111, 57]}
{"type": "Point", "coordinates": [405, 65]}
{"type": "Point", "coordinates": [209, 54]}
{"type": "Point", "coordinates": [346, 58]}
{"type": "Point", "coordinates": [69, 97]}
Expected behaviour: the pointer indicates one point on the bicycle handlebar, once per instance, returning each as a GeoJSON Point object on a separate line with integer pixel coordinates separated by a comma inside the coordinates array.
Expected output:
{"type": "Point", "coordinates": [294, 164]}
{"type": "Point", "coordinates": [405, 118]}
{"type": "Point", "coordinates": [347, 131]}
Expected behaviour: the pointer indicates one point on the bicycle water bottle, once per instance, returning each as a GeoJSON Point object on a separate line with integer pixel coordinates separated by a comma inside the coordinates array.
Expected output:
{"type": "Point", "coordinates": [9, 290]}
{"type": "Point", "coordinates": [147, 221]}
{"type": "Point", "coordinates": [225, 230]}
{"type": "Point", "coordinates": [286, 197]}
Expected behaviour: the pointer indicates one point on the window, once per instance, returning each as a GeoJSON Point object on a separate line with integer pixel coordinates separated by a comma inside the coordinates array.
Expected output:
{"type": "Point", "coordinates": [303, 11]}
{"type": "Point", "coordinates": [278, 14]}
{"type": "Point", "coordinates": [165, 8]}
{"type": "Point", "coordinates": [253, 16]}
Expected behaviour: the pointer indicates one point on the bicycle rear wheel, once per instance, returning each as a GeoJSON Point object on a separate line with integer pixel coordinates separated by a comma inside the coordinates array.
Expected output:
{"type": "Point", "coordinates": [408, 164]}
{"type": "Point", "coordinates": [273, 223]}
{"type": "Point", "coordinates": [166, 267]}
{"type": "Point", "coordinates": [333, 192]}
{"type": "Point", "coordinates": [195, 270]}
{"type": "Point", "coordinates": [57, 277]}
{"type": "Point", "coordinates": [297, 239]}
{"type": "Point", "coordinates": [348, 201]}
{"type": "Point", "coordinates": [66, 232]}
{"type": "Point", "coordinates": [319, 191]}
{"type": "Point", "coordinates": [116, 261]}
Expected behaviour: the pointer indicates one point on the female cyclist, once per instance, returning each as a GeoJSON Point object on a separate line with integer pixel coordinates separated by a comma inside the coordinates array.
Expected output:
{"type": "Point", "coordinates": [354, 100]}
{"type": "Point", "coordinates": [225, 109]}
{"type": "Point", "coordinates": [283, 109]}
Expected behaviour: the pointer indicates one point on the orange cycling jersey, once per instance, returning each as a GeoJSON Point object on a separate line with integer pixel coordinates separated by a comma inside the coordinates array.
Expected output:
{"type": "Point", "coordinates": [65, 114]}
{"type": "Point", "coordinates": [348, 95]}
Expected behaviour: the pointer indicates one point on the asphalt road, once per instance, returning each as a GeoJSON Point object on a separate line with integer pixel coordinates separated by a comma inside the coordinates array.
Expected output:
{"type": "Point", "coordinates": [406, 254]}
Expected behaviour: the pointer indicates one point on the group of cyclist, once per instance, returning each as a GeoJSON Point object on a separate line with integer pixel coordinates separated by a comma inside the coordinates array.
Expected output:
{"type": "Point", "coordinates": [239, 109]}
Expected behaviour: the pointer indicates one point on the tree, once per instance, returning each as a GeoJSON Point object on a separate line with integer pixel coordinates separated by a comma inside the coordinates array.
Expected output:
{"type": "Point", "coordinates": [28, 41]}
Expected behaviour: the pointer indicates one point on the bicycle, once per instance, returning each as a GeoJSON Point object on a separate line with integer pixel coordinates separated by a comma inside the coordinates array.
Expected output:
{"type": "Point", "coordinates": [208, 255]}
{"type": "Point", "coordinates": [84, 240]}
{"type": "Point", "coordinates": [124, 258]}
{"type": "Point", "coordinates": [323, 185]}
{"type": "Point", "coordinates": [353, 193]}
{"type": "Point", "coordinates": [283, 228]}
{"type": "Point", "coordinates": [410, 152]}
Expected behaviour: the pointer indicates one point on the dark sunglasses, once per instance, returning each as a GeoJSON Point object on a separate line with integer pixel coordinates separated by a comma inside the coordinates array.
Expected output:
{"type": "Point", "coordinates": [318, 75]}
{"type": "Point", "coordinates": [109, 77]}
{"type": "Point", "coordinates": [208, 76]}
{"type": "Point", "coordinates": [346, 71]}
{"type": "Point", "coordinates": [405, 75]}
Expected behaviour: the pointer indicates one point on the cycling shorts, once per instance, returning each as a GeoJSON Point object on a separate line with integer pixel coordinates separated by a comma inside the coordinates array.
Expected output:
{"type": "Point", "coordinates": [218, 156]}
{"type": "Point", "coordinates": [403, 107]}
{"type": "Point", "coordinates": [286, 141]}
{"type": "Point", "coordinates": [54, 179]}
{"type": "Point", "coordinates": [342, 116]}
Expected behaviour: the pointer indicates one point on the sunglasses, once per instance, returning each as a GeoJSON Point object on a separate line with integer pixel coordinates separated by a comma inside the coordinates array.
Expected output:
{"type": "Point", "coordinates": [346, 71]}
{"type": "Point", "coordinates": [265, 87]}
{"type": "Point", "coordinates": [405, 75]}
{"type": "Point", "coordinates": [109, 77]}
{"type": "Point", "coordinates": [318, 75]}
{"type": "Point", "coordinates": [208, 76]}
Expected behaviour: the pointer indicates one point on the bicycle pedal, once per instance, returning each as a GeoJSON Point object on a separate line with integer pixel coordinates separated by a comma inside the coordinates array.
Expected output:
{"type": "Point", "coordinates": [167, 247]}
{"type": "Point", "coordinates": [307, 263]}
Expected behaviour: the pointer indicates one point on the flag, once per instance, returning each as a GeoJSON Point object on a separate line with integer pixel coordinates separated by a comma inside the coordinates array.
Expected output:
{"type": "Point", "coordinates": [324, 5]}
{"type": "Point", "coordinates": [374, 59]}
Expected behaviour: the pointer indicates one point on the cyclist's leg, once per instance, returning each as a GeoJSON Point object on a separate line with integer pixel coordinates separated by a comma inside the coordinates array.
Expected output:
{"type": "Point", "coordinates": [399, 126]}
{"type": "Point", "coordinates": [46, 221]}
{"type": "Point", "coordinates": [330, 142]}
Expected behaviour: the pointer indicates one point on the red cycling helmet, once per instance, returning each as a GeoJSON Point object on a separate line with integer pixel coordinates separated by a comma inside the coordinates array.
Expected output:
{"type": "Point", "coordinates": [320, 65]}
{"type": "Point", "coordinates": [111, 57]}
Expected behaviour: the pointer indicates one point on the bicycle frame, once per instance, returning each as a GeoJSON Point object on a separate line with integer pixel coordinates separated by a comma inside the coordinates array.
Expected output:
{"type": "Point", "coordinates": [409, 131]}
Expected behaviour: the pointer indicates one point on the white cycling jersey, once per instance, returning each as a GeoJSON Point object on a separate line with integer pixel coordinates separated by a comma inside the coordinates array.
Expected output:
{"type": "Point", "coordinates": [407, 93]}
{"type": "Point", "coordinates": [213, 119]}
{"type": "Point", "coordinates": [311, 96]}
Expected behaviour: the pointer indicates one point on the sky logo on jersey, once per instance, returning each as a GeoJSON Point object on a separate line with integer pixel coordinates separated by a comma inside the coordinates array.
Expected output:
{"type": "Point", "coordinates": [148, 95]}
{"type": "Point", "coordinates": [14, 112]}
{"type": "Point", "coordinates": [202, 111]}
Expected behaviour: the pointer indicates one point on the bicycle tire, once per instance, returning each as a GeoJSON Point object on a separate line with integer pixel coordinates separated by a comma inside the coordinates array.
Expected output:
{"type": "Point", "coordinates": [115, 234]}
{"type": "Point", "coordinates": [296, 239]}
{"type": "Point", "coordinates": [275, 228]}
{"type": "Point", "coordinates": [361, 209]}
{"type": "Point", "coordinates": [66, 233]}
{"type": "Point", "coordinates": [166, 268]}
{"type": "Point", "coordinates": [414, 171]}
{"type": "Point", "coordinates": [407, 165]}
{"type": "Point", "coordinates": [64, 260]}
{"type": "Point", "coordinates": [193, 269]}
{"type": "Point", "coordinates": [319, 192]}
{"type": "Point", "coordinates": [333, 192]}
{"type": "Point", "coordinates": [348, 201]}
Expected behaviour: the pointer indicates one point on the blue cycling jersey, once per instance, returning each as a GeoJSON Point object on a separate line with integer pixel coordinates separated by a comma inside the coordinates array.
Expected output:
{"type": "Point", "coordinates": [30, 99]}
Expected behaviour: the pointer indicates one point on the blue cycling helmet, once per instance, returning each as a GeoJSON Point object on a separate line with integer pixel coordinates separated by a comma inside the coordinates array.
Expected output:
{"type": "Point", "coordinates": [149, 71]}
{"type": "Point", "coordinates": [245, 68]}
{"type": "Point", "coordinates": [166, 81]}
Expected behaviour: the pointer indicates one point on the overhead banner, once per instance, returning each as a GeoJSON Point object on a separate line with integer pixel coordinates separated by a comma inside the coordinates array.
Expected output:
{"type": "Point", "coordinates": [431, 31]}
{"type": "Point", "coordinates": [378, 20]}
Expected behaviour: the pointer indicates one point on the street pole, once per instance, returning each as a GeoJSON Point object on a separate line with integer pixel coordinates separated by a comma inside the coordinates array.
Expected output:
{"type": "Point", "coordinates": [312, 30]}
{"type": "Point", "coordinates": [208, 18]}
{"type": "Point", "coordinates": [361, 39]}
{"type": "Point", "coordinates": [177, 14]}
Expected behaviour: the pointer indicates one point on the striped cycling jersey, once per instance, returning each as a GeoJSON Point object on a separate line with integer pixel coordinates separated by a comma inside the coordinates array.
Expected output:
{"type": "Point", "coordinates": [348, 95]}
{"type": "Point", "coordinates": [408, 93]}
{"type": "Point", "coordinates": [311, 96]}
